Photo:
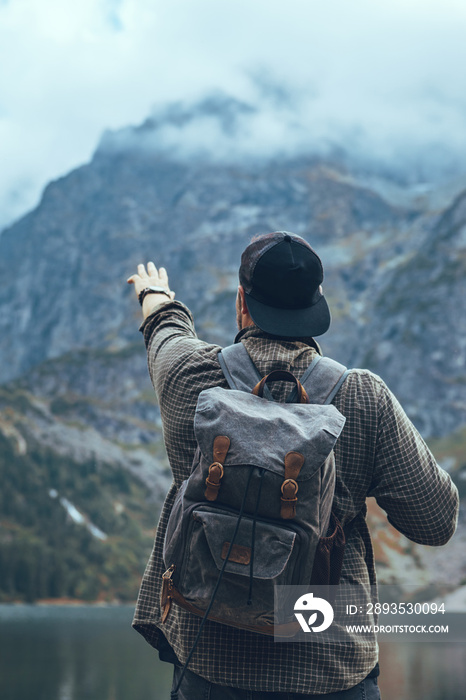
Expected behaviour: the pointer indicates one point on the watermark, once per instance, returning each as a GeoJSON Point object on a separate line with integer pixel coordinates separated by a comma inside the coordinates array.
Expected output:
{"type": "Point", "coordinates": [308, 603]}
{"type": "Point", "coordinates": [348, 613]}
{"type": "Point", "coordinates": [398, 629]}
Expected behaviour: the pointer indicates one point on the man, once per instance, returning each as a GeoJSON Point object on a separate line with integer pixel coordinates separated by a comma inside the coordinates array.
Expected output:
{"type": "Point", "coordinates": [280, 308]}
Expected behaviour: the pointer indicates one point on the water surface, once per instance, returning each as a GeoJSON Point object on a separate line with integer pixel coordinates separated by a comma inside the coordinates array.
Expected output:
{"type": "Point", "coordinates": [91, 653]}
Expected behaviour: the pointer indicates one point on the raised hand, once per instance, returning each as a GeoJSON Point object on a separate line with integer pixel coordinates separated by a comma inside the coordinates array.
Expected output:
{"type": "Point", "coordinates": [151, 278]}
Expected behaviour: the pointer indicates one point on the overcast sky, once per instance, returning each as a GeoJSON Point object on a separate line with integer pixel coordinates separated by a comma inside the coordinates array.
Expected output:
{"type": "Point", "coordinates": [383, 76]}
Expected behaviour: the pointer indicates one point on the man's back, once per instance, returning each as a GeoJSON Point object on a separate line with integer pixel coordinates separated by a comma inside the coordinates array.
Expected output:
{"type": "Point", "coordinates": [379, 453]}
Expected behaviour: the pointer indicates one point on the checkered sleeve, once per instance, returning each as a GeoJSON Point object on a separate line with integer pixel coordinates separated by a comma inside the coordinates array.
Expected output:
{"type": "Point", "coordinates": [168, 321]}
{"type": "Point", "coordinates": [418, 496]}
{"type": "Point", "coordinates": [180, 367]}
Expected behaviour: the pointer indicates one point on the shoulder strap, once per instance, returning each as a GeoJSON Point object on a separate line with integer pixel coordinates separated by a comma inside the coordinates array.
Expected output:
{"type": "Point", "coordinates": [239, 370]}
{"type": "Point", "coordinates": [326, 380]}
{"type": "Point", "coordinates": [322, 380]}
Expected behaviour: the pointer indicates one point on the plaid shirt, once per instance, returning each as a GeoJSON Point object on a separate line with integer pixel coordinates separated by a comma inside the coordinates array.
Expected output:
{"type": "Point", "coordinates": [379, 453]}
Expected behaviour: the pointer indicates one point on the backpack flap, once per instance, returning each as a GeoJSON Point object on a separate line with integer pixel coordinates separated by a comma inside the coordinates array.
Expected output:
{"type": "Point", "coordinates": [262, 432]}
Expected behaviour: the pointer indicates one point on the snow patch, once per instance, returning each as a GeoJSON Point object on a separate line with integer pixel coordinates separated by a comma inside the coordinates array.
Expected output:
{"type": "Point", "coordinates": [78, 517]}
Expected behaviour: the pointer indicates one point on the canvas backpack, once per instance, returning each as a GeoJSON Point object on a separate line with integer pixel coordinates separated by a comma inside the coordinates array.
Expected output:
{"type": "Point", "coordinates": [255, 512]}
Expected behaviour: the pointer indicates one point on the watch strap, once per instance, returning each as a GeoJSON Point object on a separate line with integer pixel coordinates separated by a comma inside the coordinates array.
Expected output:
{"type": "Point", "coordinates": [152, 290]}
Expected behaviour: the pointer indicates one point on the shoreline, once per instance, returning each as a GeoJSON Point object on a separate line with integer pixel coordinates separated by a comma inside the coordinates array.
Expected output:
{"type": "Point", "coordinates": [68, 603]}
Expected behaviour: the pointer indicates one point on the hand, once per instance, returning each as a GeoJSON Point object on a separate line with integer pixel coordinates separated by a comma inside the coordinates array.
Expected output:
{"type": "Point", "coordinates": [151, 278]}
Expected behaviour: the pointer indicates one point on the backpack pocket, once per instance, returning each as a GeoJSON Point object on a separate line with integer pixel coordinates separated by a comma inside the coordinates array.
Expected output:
{"type": "Point", "coordinates": [264, 554]}
{"type": "Point", "coordinates": [174, 540]}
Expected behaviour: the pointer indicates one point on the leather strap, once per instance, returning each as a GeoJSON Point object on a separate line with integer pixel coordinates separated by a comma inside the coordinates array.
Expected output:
{"type": "Point", "coordinates": [293, 465]}
{"type": "Point", "coordinates": [214, 478]}
{"type": "Point", "coordinates": [221, 447]}
{"type": "Point", "coordinates": [165, 594]}
{"type": "Point", "coordinates": [281, 375]}
{"type": "Point", "coordinates": [213, 481]}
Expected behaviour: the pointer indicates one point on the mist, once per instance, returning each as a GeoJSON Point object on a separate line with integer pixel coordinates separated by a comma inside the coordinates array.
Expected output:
{"type": "Point", "coordinates": [381, 83]}
{"type": "Point", "coordinates": [278, 123]}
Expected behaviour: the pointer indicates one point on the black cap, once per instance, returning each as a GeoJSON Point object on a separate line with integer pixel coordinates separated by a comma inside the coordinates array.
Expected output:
{"type": "Point", "coordinates": [281, 274]}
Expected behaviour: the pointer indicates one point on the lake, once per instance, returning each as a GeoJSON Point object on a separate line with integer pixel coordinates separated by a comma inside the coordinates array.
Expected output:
{"type": "Point", "coordinates": [91, 653]}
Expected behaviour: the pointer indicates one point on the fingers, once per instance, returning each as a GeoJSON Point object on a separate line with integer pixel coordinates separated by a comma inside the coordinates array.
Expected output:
{"type": "Point", "coordinates": [142, 274]}
{"type": "Point", "coordinates": [151, 275]}
{"type": "Point", "coordinates": [163, 277]}
{"type": "Point", "coordinates": [160, 276]}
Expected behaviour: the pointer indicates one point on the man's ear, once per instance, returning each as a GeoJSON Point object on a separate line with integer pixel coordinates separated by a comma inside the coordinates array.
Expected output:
{"type": "Point", "coordinates": [242, 300]}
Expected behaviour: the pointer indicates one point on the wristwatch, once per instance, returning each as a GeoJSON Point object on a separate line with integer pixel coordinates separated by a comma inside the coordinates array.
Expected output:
{"type": "Point", "coordinates": [152, 290]}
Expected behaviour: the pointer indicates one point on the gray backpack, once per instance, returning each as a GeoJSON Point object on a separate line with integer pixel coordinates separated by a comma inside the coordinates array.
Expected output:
{"type": "Point", "coordinates": [255, 512]}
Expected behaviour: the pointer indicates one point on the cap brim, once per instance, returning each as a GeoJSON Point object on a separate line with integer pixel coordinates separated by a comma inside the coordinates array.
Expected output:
{"type": "Point", "coordinates": [290, 323]}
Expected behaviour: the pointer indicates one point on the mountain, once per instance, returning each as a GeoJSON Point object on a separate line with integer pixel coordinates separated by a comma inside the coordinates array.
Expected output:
{"type": "Point", "coordinates": [76, 404]}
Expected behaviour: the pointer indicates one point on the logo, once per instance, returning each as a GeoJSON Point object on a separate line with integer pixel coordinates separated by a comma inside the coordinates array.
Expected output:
{"type": "Point", "coordinates": [307, 603]}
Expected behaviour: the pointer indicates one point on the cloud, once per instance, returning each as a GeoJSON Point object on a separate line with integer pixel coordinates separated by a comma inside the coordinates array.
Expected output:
{"type": "Point", "coordinates": [379, 77]}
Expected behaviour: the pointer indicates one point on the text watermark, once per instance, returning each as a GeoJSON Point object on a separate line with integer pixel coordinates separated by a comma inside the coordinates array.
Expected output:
{"type": "Point", "coordinates": [350, 613]}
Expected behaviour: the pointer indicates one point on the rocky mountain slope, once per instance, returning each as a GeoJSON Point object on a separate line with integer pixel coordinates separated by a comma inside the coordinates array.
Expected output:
{"type": "Point", "coordinates": [73, 368]}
